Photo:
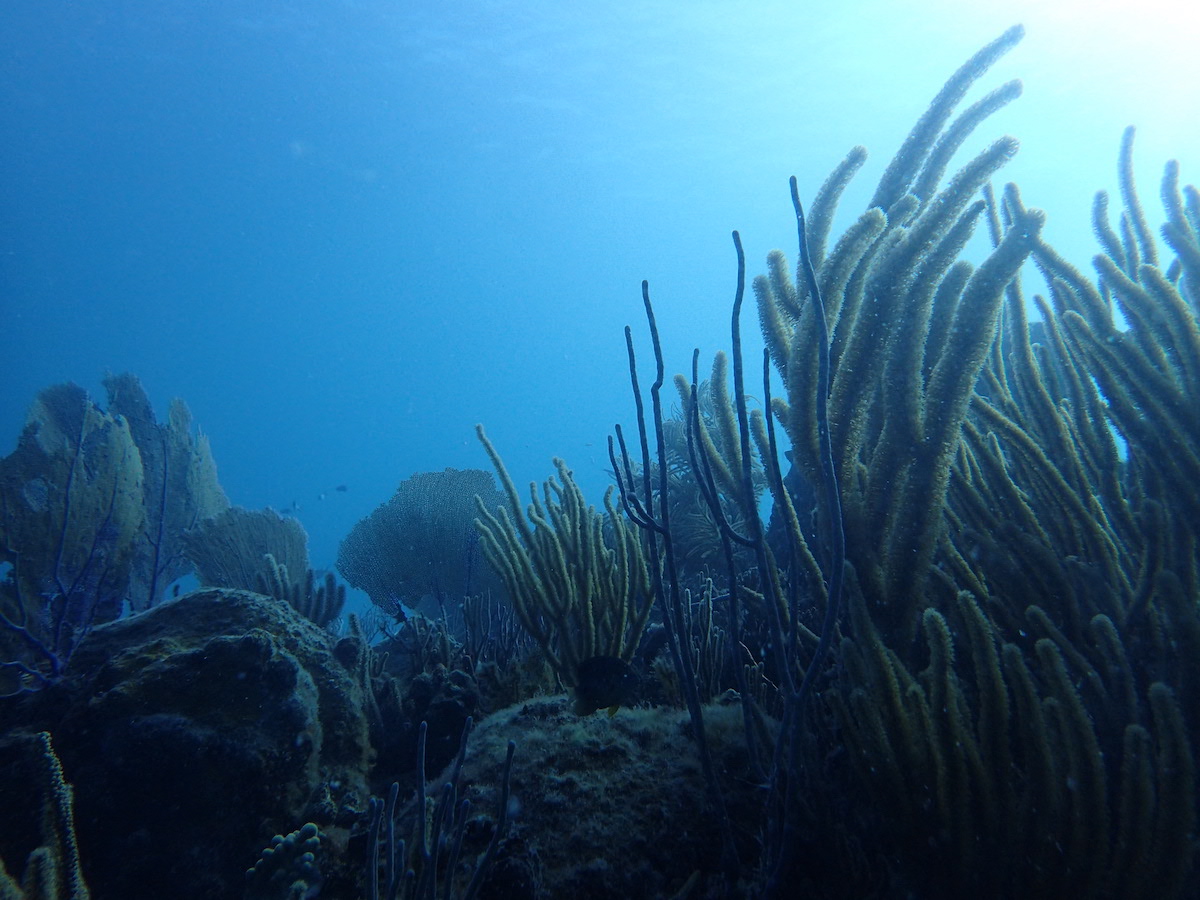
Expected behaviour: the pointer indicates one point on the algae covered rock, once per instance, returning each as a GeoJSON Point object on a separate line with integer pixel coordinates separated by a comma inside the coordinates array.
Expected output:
{"type": "Point", "coordinates": [195, 731]}
{"type": "Point", "coordinates": [607, 807]}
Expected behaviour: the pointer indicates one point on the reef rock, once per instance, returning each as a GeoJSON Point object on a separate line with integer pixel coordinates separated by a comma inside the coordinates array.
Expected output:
{"type": "Point", "coordinates": [195, 731]}
{"type": "Point", "coordinates": [607, 807]}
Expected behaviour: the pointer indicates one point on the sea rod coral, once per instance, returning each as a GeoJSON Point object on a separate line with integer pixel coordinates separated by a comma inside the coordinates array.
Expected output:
{"type": "Point", "coordinates": [1016, 675]}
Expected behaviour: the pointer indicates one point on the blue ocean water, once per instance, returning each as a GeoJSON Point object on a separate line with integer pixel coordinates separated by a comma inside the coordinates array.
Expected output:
{"type": "Point", "coordinates": [345, 232]}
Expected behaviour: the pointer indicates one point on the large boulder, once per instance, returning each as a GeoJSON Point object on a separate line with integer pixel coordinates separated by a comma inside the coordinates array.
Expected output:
{"type": "Point", "coordinates": [605, 808]}
{"type": "Point", "coordinates": [195, 731]}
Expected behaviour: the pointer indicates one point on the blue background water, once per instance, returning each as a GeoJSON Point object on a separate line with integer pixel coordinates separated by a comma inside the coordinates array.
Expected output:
{"type": "Point", "coordinates": [345, 232]}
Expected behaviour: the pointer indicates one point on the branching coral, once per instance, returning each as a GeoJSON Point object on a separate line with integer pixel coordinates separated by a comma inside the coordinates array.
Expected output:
{"type": "Point", "coordinates": [912, 324]}
{"type": "Point", "coordinates": [578, 593]}
{"type": "Point", "coordinates": [1018, 668]}
{"type": "Point", "coordinates": [53, 871]}
{"type": "Point", "coordinates": [321, 603]}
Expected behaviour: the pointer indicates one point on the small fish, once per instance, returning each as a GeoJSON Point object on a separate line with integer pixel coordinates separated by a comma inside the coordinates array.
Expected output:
{"type": "Point", "coordinates": [604, 681]}
{"type": "Point", "coordinates": [341, 488]}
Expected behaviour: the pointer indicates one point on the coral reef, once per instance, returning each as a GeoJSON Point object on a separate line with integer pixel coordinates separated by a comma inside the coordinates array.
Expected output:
{"type": "Point", "coordinates": [960, 658]}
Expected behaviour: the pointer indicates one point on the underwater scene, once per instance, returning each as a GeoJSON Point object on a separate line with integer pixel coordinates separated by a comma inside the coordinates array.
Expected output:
{"type": "Point", "coordinates": [514, 450]}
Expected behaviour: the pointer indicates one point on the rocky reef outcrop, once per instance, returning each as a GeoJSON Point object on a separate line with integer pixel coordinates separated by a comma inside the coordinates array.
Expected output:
{"type": "Point", "coordinates": [193, 732]}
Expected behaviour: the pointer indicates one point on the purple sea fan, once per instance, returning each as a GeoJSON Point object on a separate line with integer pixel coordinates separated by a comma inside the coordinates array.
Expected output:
{"type": "Point", "coordinates": [71, 510]}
